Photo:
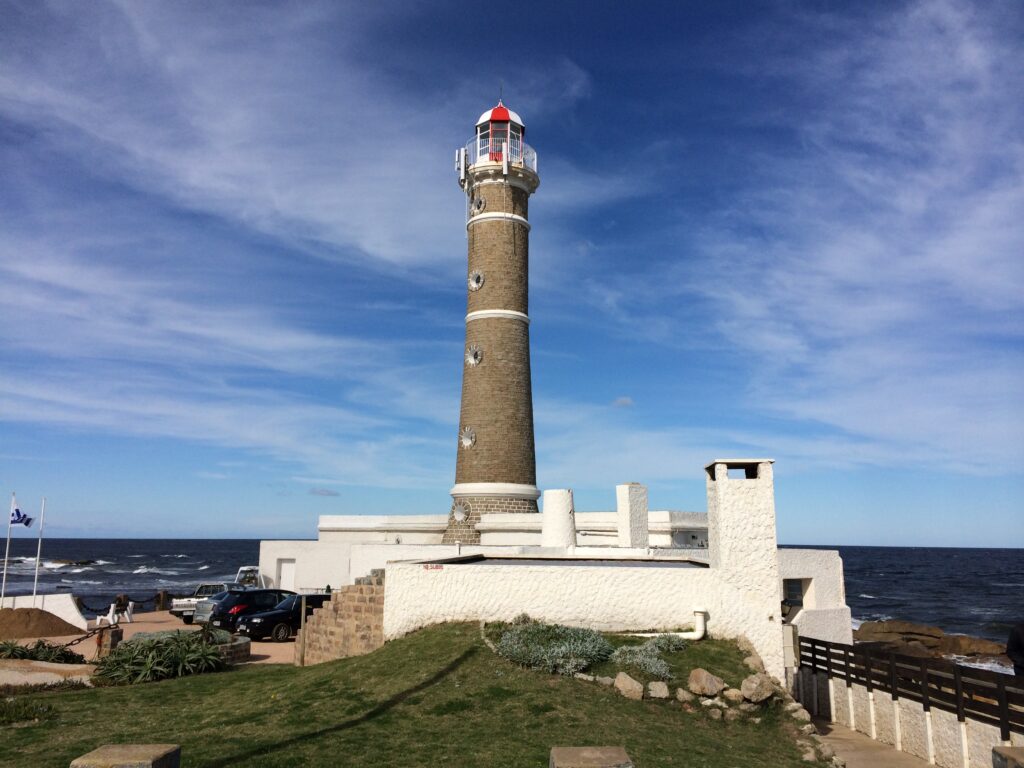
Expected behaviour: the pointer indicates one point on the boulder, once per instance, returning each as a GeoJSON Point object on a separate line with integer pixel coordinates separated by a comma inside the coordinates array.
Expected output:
{"type": "Point", "coordinates": [732, 695]}
{"type": "Point", "coordinates": [684, 695]}
{"type": "Point", "coordinates": [962, 645]}
{"type": "Point", "coordinates": [628, 687]}
{"type": "Point", "coordinates": [583, 676]}
{"type": "Point", "coordinates": [732, 715]}
{"type": "Point", "coordinates": [703, 683]}
{"type": "Point", "coordinates": [898, 633]}
{"type": "Point", "coordinates": [657, 690]}
{"type": "Point", "coordinates": [714, 713]}
{"type": "Point", "coordinates": [801, 714]}
{"type": "Point", "coordinates": [757, 688]}
{"type": "Point", "coordinates": [746, 706]}
{"type": "Point", "coordinates": [808, 728]}
{"type": "Point", "coordinates": [754, 662]}
{"type": "Point", "coordinates": [605, 680]}
{"type": "Point", "coordinates": [709, 703]}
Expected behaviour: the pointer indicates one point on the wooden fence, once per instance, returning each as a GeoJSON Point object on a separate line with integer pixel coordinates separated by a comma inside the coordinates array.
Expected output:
{"type": "Point", "coordinates": [979, 694]}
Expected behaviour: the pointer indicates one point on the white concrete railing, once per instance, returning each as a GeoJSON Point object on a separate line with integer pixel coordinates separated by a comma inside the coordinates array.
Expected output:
{"type": "Point", "coordinates": [61, 605]}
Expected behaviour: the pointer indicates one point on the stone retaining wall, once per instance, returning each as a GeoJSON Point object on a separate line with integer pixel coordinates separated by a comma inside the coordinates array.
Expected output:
{"type": "Point", "coordinates": [237, 651]}
{"type": "Point", "coordinates": [351, 623]}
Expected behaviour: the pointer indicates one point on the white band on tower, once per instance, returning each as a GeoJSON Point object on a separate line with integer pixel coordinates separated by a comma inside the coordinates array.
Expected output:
{"type": "Point", "coordinates": [514, 490]}
{"type": "Point", "coordinates": [499, 216]}
{"type": "Point", "coordinates": [486, 314]}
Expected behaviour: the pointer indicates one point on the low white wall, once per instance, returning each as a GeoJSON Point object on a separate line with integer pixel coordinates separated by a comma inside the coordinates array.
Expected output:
{"type": "Point", "coordinates": [61, 605]}
{"type": "Point", "coordinates": [825, 615]}
{"type": "Point", "coordinates": [934, 736]}
{"type": "Point", "coordinates": [618, 598]}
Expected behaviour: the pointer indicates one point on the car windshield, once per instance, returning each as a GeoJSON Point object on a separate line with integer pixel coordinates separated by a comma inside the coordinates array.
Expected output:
{"type": "Point", "coordinates": [286, 604]}
{"type": "Point", "coordinates": [218, 596]}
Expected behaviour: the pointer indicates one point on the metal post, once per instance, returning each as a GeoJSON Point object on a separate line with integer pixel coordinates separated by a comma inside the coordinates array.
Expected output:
{"type": "Point", "coordinates": [7, 553]}
{"type": "Point", "coordinates": [302, 631]}
{"type": "Point", "coordinates": [39, 549]}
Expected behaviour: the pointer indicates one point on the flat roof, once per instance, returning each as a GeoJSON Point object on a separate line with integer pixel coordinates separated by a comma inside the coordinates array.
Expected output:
{"type": "Point", "coordinates": [590, 562]}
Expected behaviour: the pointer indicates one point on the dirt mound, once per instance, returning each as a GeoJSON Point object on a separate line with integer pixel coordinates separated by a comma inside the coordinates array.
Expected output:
{"type": "Point", "coordinates": [17, 623]}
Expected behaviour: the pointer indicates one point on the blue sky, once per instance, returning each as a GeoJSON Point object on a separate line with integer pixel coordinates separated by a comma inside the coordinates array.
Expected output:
{"type": "Point", "coordinates": [233, 258]}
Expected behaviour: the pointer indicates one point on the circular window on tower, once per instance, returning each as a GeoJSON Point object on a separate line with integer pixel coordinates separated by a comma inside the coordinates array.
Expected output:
{"type": "Point", "coordinates": [475, 280]}
{"type": "Point", "coordinates": [474, 355]}
{"type": "Point", "coordinates": [478, 204]}
{"type": "Point", "coordinates": [460, 512]}
{"type": "Point", "coordinates": [467, 437]}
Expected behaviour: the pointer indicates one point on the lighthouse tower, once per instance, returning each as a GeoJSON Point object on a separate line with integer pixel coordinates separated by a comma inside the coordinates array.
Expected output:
{"type": "Point", "coordinates": [496, 470]}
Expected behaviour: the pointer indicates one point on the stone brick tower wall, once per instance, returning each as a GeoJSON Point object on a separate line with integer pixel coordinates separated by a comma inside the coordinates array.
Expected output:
{"type": "Point", "coordinates": [495, 466]}
{"type": "Point", "coordinates": [351, 623]}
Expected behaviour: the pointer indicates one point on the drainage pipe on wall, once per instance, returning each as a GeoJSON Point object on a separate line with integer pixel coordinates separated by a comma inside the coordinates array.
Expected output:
{"type": "Point", "coordinates": [700, 625]}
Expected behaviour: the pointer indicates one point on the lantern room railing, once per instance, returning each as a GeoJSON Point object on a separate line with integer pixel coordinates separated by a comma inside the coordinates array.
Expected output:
{"type": "Point", "coordinates": [493, 150]}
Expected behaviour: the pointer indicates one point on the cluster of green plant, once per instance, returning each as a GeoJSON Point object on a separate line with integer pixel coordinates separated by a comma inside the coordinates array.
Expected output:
{"type": "Point", "coordinates": [210, 635]}
{"type": "Point", "coordinates": [22, 710]}
{"type": "Point", "coordinates": [157, 658]}
{"type": "Point", "coordinates": [40, 651]}
{"type": "Point", "coordinates": [552, 647]}
{"type": "Point", "coordinates": [647, 656]}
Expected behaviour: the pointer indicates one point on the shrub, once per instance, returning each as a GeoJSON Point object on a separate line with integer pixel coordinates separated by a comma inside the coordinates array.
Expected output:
{"type": "Point", "coordinates": [20, 711]}
{"type": "Point", "coordinates": [158, 658]}
{"type": "Point", "coordinates": [647, 656]}
{"type": "Point", "coordinates": [552, 647]}
{"type": "Point", "coordinates": [41, 651]}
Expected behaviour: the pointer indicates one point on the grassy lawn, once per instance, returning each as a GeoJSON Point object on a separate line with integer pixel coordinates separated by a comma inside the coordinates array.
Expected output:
{"type": "Point", "coordinates": [437, 697]}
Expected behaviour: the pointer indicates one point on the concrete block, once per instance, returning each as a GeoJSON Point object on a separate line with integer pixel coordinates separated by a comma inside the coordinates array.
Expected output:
{"type": "Point", "coordinates": [131, 756]}
{"type": "Point", "coordinates": [589, 757]}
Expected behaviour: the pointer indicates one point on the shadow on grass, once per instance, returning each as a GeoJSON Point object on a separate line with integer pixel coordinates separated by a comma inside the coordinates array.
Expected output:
{"type": "Point", "coordinates": [377, 711]}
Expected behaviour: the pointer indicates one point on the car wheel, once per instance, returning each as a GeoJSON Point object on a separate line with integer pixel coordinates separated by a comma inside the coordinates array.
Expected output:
{"type": "Point", "coordinates": [281, 633]}
{"type": "Point", "coordinates": [187, 618]}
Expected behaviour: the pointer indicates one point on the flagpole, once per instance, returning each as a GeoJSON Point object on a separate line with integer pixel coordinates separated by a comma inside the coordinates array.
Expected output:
{"type": "Point", "coordinates": [39, 549]}
{"type": "Point", "coordinates": [7, 552]}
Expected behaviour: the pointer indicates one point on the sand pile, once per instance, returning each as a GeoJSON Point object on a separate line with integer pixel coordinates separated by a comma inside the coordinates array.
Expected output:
{"type": "Point", "coordinates": [33, 622]}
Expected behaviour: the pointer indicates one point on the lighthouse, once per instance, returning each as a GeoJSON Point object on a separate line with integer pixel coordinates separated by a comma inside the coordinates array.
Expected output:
{"type": "Point", "coordinates": [495, 469]}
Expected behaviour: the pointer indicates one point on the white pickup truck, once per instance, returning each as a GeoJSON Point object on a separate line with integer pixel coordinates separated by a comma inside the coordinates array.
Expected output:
{"type": "Point", "coordinates": [185, 607]}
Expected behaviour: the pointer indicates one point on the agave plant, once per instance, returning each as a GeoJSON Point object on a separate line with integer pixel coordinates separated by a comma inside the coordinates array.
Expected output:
{"type": "Point", "coordinates": [158, 658]}
{"type": "Point", "coordinates": [41, 651]}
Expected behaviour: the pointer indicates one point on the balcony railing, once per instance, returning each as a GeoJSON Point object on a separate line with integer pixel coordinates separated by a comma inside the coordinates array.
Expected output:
{"type": "Point", "coordinates": [493, 150]}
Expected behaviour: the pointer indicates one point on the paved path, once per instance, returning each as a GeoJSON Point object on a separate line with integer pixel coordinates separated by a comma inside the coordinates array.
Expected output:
{"type": "Point", "coordinates": [860, 751]}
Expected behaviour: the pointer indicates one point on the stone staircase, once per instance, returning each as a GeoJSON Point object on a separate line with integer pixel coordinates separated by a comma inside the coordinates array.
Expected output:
{"type": "Point", "coordinates": [351, 623]}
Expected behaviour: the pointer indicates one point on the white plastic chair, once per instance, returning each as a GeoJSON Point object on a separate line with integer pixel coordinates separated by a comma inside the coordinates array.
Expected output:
{"type": "Point", "coordinates": [110, 617]}
{"type": "Point", "coordinates": [129, 611]}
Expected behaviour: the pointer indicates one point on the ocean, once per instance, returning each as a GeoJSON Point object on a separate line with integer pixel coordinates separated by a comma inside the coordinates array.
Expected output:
{"type": "Point", "coordinates": [977, 592]}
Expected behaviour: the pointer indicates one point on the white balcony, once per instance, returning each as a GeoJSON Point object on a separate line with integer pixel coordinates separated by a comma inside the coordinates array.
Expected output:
{"type": "Point", "coordinates": [494, 150]}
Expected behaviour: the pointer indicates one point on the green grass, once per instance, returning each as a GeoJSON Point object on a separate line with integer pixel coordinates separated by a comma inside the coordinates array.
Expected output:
{"type": "Point", "coordinates": [718, 656]}
{"type": "Point", "coordinates": [437, 697]}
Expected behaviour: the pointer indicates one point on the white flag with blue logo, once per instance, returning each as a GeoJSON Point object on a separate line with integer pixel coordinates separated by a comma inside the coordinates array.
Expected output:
{"type": "Point", "coordinates": [18, 517]}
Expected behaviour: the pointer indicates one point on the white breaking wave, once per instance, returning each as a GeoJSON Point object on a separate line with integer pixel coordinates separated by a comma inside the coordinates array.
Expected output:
{"type": "Point", "coordinates": [147, 569]}
{"type": "Point", "coordinates": [992, 666]}
{"type": "Point", "coordinates": [202, 567]}
{"type": "Point", "coordinates": [868, 597]}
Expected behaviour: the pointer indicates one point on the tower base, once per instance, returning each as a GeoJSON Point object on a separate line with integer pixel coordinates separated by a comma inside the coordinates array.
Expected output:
{"type": "Point", "coordinates": [474, 506]}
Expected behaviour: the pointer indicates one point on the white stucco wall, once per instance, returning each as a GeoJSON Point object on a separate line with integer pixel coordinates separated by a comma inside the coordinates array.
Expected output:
{"type": "Point", "coordinates": [825, 615]}
{"type": "Point", "coordinates": [609, 599]}
{"type": "Point", "coordinates": [61, 605]}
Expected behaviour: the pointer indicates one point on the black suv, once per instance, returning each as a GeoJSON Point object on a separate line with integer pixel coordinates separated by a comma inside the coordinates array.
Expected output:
{"type": "Point", "coordinates": [236, 603]}
{"type": "Point", "coordinates": [283, 621]}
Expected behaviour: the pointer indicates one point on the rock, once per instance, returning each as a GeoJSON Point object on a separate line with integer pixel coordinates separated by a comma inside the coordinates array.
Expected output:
{"type": "Point", "coordinates": [754, 662]}
{"type": "Point", "coordinates": [684, 695]}
{"type": "Point", "coordinates": [755, 720]}
{"type": "Point", "coordinates": [801, 714]}
{"type": "Point", "coordinates": [838, 762]}
{"type": "Point", "coordinates": [589, 757]}
{"type": "Point", "coordinates": [689, 708]}
{"type": "Point", "coordinates": [582, 676]}
{"type": "Point", "coordinates": [808, 728]}
{"type": "Point", "coordinates": [714, 713]}
{"type": "Point", "coordinates": [961, 645]}
{"type": "Point", "coordinates": [628, 687]}
{"type": "Point", "coordinates": [898, 633]}
{"type": "Point", "coordinates": [605, 680]}
{"type": "Point", "coordinates": [792, 706]}
{"type": "Point", "coordinates": [714, 703]}
{"type": "Point", "coordinates": [746, 706]}
{"type": "Point", "coordinates": [703, 683]}
{"type": "Point", "coordinates": [732, 715]}
{"type": "Point", "coordinates": [657, 690]}
{"type": "Point", "coordinates": [757, 688]}
{"type": "Point", "coordinates": [809, 756]}
{"type": "Point", "coordinates": [732, 695]}
{"type": "Point", "coordinates": [826, 752]}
